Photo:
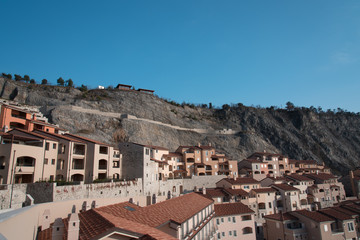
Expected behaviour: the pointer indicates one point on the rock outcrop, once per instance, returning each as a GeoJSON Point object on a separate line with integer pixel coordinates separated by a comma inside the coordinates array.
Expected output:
{"type": "Point", "coordinates": [119, 115]}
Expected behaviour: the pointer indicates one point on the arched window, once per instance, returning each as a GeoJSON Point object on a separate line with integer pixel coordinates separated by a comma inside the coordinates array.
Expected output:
{"type": "Point", "coordinates": [247, 230]}
{"type": "Point", "coordinates": [103, 164]}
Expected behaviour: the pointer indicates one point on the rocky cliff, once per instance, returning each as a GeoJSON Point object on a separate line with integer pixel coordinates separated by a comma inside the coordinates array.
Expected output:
{"type": "Point", "coordinates": [118, 115]}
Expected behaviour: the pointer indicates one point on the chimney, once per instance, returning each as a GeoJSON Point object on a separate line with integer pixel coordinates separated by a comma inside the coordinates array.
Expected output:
{"type": "Point", "coordinates": [264, 151]}
{"type": "Point", "coordinates": [199, 144]}
{"type": "Point", "coordinates": [73, 228]}
{"type": "Point", "coordinates": [317, 172]}
{"type": "Point", "coordinates": [204, 190]}
{"type": "Point", "coordinates": [209, 144]}
{"type": "Point", "coordinates": [195, 189]}
{"type": "Point", "coordinates": [46, 219]}
{"type": "Point", "coordinates": [57, 229]}
{"type": "Point", "coordinates": [234, 178]}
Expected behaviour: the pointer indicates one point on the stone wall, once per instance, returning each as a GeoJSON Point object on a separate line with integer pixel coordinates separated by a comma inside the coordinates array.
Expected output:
{"type": "Point", "coordinates": [17, 194]}
{"type": "Point", "coordinates": [50, 192]}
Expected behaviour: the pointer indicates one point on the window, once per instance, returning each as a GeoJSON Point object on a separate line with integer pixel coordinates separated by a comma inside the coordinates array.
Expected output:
{"type": "Point", "coordinates": [234, 220]}
{"type": "Point", "coordinates": [147, 151]}
{"type": "Point", "coordinates": [229, 219]}
{"type": "Point", "coordinates": [325, 228]}
{"type": "Point", "coordinates": [246, 187]}
{"type": "Point", "coordinates": [223, 234]}
{"type": "Point", "coordinates": [269, 204]}
{"type": "Point", "coordinates": [246, 218]}
{"type": "Point", "coordinates": [219, 235]}
{"type": "Point", "coordinates": [218, 221]}
{"type": "Point", "coordinates": [54, 145]}
{"type": "Point", "coordinates": [350, 227]}
{"type": "Point", "coordinates": [222, 219]}
{"type": "Point", "coordinates": [47, 146]}
{"type": "Point", "coordinates": [46, 161]}
{"type": "Point", "coordinates": [52, 161]}
{"type": "Point", "coordinates": [235, 233]}
{"type": "Point", "coordinates": [230, 233]}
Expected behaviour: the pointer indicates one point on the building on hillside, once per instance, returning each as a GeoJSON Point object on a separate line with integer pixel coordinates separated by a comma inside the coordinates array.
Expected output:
{"type": "Point", "coordinates": [326, 191]}
{"type": "Point", "coordinates": [327, 224]}
{"type": "Point", "coordinates": [355, 182]}
{"type": "Point", "coordinates": [234, 221]}
{"type": "Point", "coordinates": [262, 164]}
{"type": "Point", "coordinates": [190, 216]}
{"type": "Point", "coordinates": [238, 183]}
{"type": "Point", "coordinates": [123, 87]}
{"type": "Point", "coordinates": [84, 159]}
{"type": "Point", "coordinates": [13, 115]}
{"type": "Point", "coordinates": [27, 157]}
{"type": "Point", "coordinates": [205, 160]}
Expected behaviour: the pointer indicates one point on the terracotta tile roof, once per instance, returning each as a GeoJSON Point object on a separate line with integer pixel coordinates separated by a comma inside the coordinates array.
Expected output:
{"type": "Point", "coordinates": [346, 211]}
{"type": "Point", "coordinates": [253, 160]}
{"type": "Point", "coordinates": [226, 209]}
{"type": "Point", "coordinates": [321, 176]}
{"type": "Point", "coordinates": [173, 154]}
{"type": "Point", "coordinates": [236, 192]}
{"type": "Point", "coordinates": [176, 209]}
{"type": "Point", "coordinates": [284, 187]}
{"type": "Point", "coordinates": [241, 180]}
{"type": "Point", "coordinates": [18, 137]}
{"type": "Point", "coordinates": [315, 216]}
{"type": "Point", "coordinates": [85, 139]}
{"type": "Point", "coordinates": [277, 178]}
{"type": "Point", "coordinates": [335, 214]}
{"type": "Point", "coordinates": [92, 224]}
{"type": "Point", "coordinates": [33, 134]}
{"type": "Point", "coordinates": [145, 90]}
{"type": "Point", "coordinates": [263, 190]}
{"type": "Point", "coordinates": [136, 227]}
{"type": "Point", "coordinates": [58, 136]}
{"type": "Point", "coordinates": [300, 178]}
{"type": "Point", "coordinates": [281, 217]}
{"type": "Point", "coordinates": [212, 193]}
{"type": "Point", "coordinates": [307, 162]}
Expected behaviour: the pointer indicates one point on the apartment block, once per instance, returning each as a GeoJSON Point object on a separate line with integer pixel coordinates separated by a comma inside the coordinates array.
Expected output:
{"type": "Point", "coordinates": [329, 224]}
{"type": "Point", "coordinates": [13, 115]}
{"type": "Point", "coordinates": [27, 157]}
{"type": "Point", "coordinates": [234, 221]}
{"type": "Point", "coordinates": [262, 164]}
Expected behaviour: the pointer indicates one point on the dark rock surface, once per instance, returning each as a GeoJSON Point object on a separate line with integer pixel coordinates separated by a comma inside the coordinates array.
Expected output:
{"type": "Point", "coordinates": [298, 134]}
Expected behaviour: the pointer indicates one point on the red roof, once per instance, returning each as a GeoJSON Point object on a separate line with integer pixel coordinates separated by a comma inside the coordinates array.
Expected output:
{"type": "Point", "coordinates": [281, 217]}
{"type": "Point", "coordinates": [176, 209]}
{"type": "Point", "coordinates": [321, 176]}
{"type": "Point", "coordinates": [315, 216]}
{"type": "Point", "coordinates": [85, 139]}
{"type": "Point", "coordinates": [335, 214]}
{"type": "Point", "coordinates": [13, 131]}
{"type": "Point", "coordinates": [236, 192]}
{"type": "Point", "coordinates": [298, 177]}
{"type": "Point", "coordinates": [284, 187]}
{"type": "Point", "coordinates": [55, 135]}
{"type": "Point", "coordinates": [241, 181]}
{"type": "Point", "coordinates": [263, 190]}
{"type": "Point", "coordinates": [227, 209]}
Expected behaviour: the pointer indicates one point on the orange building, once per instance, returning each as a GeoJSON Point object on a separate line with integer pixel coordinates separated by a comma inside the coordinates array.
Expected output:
{"type": "Point", "coordinates": [13, 116]}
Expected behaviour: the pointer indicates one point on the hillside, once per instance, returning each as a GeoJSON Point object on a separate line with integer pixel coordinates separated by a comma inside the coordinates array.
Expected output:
{"type": "Point", "coordinates": [117, 115]}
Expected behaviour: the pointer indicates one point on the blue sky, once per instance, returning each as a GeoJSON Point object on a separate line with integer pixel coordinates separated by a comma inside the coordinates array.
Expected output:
{"type": "Point", "coordinates": [251, 52]}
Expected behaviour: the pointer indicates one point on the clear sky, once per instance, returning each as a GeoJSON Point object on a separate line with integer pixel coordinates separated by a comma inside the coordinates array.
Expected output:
{"type": "Point", "coordinates": [255, 52]}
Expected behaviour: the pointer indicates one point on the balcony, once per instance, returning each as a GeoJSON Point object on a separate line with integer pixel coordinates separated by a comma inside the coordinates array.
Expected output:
{"type": "Point", "coordinates": [79, 149]}
{"type": "Point", "coordinates": [78, 164]}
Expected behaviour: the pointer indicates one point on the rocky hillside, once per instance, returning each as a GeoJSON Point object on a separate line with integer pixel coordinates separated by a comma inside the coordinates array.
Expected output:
{"type": "Point", "coordinates": [116, 115]}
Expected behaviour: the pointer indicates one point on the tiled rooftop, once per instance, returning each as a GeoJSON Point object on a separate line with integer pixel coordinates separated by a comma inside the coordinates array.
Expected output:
{"type": "Point", "coordinates": [226, 209]}
{"type": "Point", "coordinates": [263, 190]}
{"type": "Point", "coordinates": [176, 209]}
{"type": "Point", "coordinates": [315, 216]}
{"type": "Point", "coordinates": [281, 216]}
{"type": "Point", "coordinates": [241, 180]}
{"type": "Point", "coordinates": [284, 187]}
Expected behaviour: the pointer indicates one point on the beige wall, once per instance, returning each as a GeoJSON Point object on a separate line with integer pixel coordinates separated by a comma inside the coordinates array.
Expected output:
{"type": "Point", "coordinates": [226, 225]}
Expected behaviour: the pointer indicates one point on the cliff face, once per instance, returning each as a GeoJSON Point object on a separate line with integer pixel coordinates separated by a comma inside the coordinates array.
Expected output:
{"type": "Point", "coordinates": [115, 115]}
